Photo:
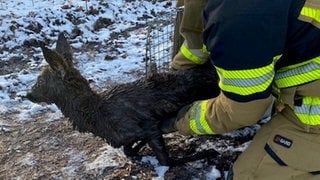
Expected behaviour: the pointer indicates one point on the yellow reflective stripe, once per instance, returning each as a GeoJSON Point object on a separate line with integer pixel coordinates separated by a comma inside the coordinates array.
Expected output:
{"type": "Point", "coordinates": [194, 56]}
{"type": "Point", "coordinates": [276, 58]}
{"type": "Point", "coordinates": [311, 13]}
{"type": "Point", "coordinates": [298, 74]}
{"type": "Point", "coordinates": [246, 82]}
{"type": "Point", "coordinates": [198, 123]}
{"type": "Point", "coordinates": [309, 111]}
{"type": "Point", "coordinates": [205, 50]}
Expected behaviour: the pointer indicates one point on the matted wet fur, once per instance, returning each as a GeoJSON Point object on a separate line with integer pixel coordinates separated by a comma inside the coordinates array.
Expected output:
{"type": "Point", "coordinates": [128, 114]}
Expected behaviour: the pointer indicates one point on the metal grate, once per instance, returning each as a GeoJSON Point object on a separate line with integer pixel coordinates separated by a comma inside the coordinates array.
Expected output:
{"type": "Point", "coordinates": [162, 41]}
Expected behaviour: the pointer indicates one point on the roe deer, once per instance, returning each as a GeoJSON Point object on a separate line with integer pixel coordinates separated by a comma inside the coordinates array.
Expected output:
{"type": "Point", "coordinates": [126, 115]}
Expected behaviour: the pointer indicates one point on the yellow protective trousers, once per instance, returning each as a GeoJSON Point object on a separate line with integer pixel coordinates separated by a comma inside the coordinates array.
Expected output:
{"type": "Point", "coordinates": [284, 148]}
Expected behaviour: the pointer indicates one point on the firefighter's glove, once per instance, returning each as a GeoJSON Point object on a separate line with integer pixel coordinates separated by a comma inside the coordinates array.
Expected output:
{"type": "Point", "coordinates": [169, 125]}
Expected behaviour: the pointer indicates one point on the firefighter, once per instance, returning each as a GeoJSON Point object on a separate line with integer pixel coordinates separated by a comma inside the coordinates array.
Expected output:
{"type": "Point", "coordinates": [260, 48]}
{"type": "Point", "coordinates": [192, 51]}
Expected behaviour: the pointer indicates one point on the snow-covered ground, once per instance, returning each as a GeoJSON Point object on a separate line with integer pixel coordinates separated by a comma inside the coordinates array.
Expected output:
{"type": "Point", "coordinates": [108, 39]}
{"type": "Point", "coordinates": [21, 21]}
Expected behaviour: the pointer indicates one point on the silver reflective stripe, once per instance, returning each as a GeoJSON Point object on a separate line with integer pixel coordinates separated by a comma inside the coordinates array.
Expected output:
{"type": "Point", "coordinates": [299, 70]}
{"type": "Point", "coordinates": [247, 82]}
{"type": "Point", "coordinates": [198, 117]}
{"type": "Point", "coordinates": [307, 109]}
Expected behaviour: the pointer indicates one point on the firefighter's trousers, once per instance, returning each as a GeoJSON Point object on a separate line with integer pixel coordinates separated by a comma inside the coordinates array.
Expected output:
{"type": "Point", "coordinates": [285, 147]}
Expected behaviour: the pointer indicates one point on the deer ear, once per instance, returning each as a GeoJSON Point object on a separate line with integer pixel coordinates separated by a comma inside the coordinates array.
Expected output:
{"type": "Point", "coordinates": [55, 60]}
{"type": "Point", "coordinates": [64, 49]}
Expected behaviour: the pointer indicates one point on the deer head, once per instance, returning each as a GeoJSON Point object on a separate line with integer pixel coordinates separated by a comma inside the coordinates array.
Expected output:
{"type": "Point", "coordinates": [58, 80]}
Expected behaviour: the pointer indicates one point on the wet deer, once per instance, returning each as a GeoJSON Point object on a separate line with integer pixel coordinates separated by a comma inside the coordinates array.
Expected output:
{"type": "Point", "coordinates": [127, 114]}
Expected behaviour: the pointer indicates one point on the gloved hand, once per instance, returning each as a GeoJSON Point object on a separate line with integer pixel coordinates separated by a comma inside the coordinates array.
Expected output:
{"type": "Point", "coordinates": [169, 125]}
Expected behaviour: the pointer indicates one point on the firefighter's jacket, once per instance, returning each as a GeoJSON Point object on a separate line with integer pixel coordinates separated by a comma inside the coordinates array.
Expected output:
{"type": "Point", "coordinates": [259, 47]}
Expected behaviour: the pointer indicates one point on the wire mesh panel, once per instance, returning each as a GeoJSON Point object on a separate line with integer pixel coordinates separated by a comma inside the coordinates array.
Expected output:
{"type": "Point", "coordinates": [159, 46]}
{"type": "Point", "coordinates": [163, 42]}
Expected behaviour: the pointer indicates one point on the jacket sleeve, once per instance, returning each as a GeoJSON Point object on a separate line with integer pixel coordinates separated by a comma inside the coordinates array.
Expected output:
{"type": "Point", "coordinates": [221, 115]}
{"type": "Point", "coordinates": [243, 41]}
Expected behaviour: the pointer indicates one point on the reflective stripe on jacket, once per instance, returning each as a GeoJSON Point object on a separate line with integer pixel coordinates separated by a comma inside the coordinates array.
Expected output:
{"type": "Point", "coordinates": [298, 74]}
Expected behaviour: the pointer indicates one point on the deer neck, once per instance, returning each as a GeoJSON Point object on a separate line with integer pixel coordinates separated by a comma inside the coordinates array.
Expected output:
{"type": "Point", "coordinates": [82, 111]}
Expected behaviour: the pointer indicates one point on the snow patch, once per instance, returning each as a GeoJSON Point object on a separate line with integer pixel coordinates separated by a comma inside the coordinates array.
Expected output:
{"type": "Point", "coordinates": [160, 170]}
{"type": "Point", "coordinates": [27, 160]}
{"type": "Point", "coordinates": [213, 174]}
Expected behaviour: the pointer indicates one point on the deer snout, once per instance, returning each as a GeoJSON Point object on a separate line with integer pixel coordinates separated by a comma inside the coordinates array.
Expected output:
{"type": "Point", "coordinates": [37, 97]}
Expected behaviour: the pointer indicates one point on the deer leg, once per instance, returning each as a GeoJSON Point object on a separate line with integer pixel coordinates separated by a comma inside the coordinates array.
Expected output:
{"type": "Point", "coordinates": [158, 147]}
